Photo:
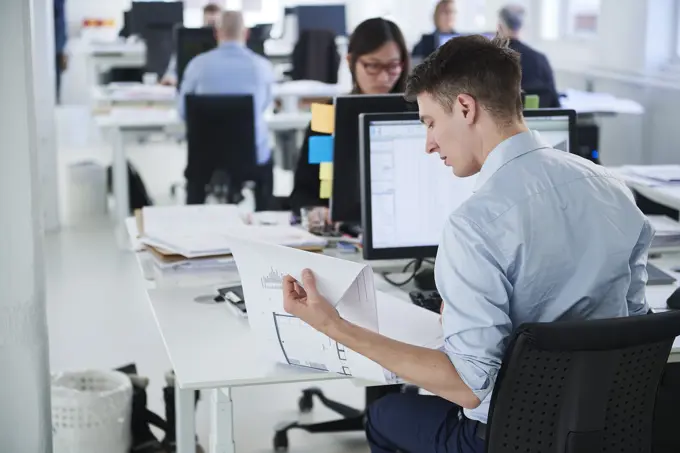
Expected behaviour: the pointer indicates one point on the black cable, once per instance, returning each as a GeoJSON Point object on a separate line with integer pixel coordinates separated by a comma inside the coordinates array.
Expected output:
{"type": "Point", "coordinates": [418, 264]}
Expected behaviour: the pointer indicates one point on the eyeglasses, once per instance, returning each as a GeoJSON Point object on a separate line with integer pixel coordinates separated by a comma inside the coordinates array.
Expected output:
{"type": "Point", "coordinates": [374, 68]}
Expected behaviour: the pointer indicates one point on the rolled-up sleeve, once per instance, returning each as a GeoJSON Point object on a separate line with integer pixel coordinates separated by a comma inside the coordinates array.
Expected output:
{"type": "Point", "coordinates": [637, 302]}
{"type": "Point", "coordinates": [471, 278]}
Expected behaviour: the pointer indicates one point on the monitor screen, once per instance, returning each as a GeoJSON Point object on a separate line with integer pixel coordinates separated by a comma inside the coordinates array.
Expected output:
{"type": "Point", "coordinates": [190, 43]}
{"type": "Point", "coordinates": [345, 203]}
{"type": "Point", "coordinates": [445, 37]}
{"type": "Point", "coordinates": [407, 193]}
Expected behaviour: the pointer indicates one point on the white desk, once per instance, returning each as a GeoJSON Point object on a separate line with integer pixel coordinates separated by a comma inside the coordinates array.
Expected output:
{"type": "Point", "coordinates": [208, 348]}
{"type": "Point", "coordinates": [123, 125]}
{"type": "Point", "coordinates": [599, 104]}
{"type": "Point", "coordinates": [139, 95]}
{"type": "Point", "coordinates": [666, 195]}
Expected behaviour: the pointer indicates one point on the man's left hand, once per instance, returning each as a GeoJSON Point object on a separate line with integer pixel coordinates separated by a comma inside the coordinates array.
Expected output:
{"type": "Point", "coordinates": [307, 304]}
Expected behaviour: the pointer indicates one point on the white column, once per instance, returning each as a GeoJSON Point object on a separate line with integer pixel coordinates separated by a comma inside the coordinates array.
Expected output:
{"type": "Point", "coordinates": [25, 419]}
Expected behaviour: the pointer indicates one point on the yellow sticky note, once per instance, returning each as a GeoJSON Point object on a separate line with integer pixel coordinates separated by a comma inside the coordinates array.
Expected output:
{"type": "Point", "coordinates": [326, 171]}
{"type": "Point", "coordinates": [326, 189]}
{"type": "Point", "coordinates": [323, 118]}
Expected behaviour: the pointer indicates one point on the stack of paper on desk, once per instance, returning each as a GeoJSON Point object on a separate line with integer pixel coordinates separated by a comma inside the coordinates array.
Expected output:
{"type": "Point", "coordinates": [348, 286]}
{"type": "Point", "coordinates": [205, 231]}
{"type": "Point", "coordinates": [667, 232]}
{"type": "Point", "coordinates": [654, 175]}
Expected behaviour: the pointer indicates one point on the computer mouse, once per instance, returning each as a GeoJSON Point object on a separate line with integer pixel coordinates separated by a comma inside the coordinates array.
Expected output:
{"type": "Point", "coordinates": [673, 301]}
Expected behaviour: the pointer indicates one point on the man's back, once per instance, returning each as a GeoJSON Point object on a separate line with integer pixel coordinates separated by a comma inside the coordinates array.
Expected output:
{"type": "Point", "coordinates": [537, 74]}
{"type": "Point", "coordinates": [550, 237]}
{"type": "Point", "coordinates": [232, 68]}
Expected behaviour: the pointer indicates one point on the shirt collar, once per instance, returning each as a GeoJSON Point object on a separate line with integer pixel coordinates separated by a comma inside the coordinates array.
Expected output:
{"type": "Point", "coordinates": [231, 45]}
{"type": "Point", "coordinates": [507, 150]}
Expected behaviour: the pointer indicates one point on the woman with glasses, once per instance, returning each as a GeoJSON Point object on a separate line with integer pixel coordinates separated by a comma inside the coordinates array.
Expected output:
{"type": "Point", "coordinates": [379, 62]}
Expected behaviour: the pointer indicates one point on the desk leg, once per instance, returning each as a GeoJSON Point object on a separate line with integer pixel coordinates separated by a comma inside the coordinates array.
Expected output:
{"type": "Point", "coordinates": [222, 422]}
{"type": "Point", "coordinates": [185, 420]}
{"type": "Point", "coordinates": [120, 183]}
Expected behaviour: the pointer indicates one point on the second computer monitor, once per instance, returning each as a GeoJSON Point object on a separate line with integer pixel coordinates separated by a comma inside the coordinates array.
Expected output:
{"type": "Point", "coordinates": [190, 43]}
{"type": "Point", "coordinates": [346, 198]}
{"type": "Point", "coordinates": [556, 126]}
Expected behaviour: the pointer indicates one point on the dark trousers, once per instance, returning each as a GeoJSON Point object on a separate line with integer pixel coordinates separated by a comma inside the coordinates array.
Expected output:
{"type": "Point", "coordinates": [411, 423]}
{"type": "Point", "coordinates": [263, 177]}
{"type": "Point", "coordinates": [59, 70]}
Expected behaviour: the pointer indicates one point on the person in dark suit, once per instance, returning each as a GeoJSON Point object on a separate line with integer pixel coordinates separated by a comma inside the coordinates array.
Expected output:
{"type": "Point", "coordinates": [537, 74]}
{"type": "Point", "coordinates": [444, 21]}
{"type": "Point", "coordinates": [61, 57]}
{"type": "Point", "coordinates": [379, 62]}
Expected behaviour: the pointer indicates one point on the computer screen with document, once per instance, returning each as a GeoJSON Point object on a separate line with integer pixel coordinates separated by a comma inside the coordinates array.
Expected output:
{"type": "Point", "coordinates": [407, 195]}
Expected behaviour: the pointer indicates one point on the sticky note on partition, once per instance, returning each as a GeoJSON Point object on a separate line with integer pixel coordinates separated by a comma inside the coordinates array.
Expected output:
{"type": "Point", "coordinates": [325, 189]}
{"type": "Point", "coordinates": [320, 149]}
{"type": "Point", "coordinates": [323, 118]}
{"type": "Point", "coordinates": [326, 171]}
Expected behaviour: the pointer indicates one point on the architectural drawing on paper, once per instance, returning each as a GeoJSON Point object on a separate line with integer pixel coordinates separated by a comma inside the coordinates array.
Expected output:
{"type": "Point", "coordinates": [305, 347]}
{"type": "Point", "coordinates": [273, 280]}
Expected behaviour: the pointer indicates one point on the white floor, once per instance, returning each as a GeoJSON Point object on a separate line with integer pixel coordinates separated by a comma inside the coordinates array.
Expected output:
{"type": "Point", "coordinates": [99, 317]}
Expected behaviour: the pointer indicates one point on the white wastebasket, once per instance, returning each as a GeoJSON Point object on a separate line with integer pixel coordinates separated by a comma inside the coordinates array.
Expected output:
{"type": "Point", "coordinates": [91, 412]}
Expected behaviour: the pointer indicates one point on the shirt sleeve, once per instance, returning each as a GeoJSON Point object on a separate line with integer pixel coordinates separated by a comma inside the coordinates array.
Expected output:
{"type": "Point", "coordinates": [476, 292]}
{"type": "Point", "coordinates": [637, 302]}
{"type": "Point", "coordinates": [171, 71]}
{"type": "Point", "coordinates": [188, 86]}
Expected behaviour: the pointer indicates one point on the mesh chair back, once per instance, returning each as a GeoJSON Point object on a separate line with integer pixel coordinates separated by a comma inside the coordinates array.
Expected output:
{"type": "Point", "coordinates": [581, 387]}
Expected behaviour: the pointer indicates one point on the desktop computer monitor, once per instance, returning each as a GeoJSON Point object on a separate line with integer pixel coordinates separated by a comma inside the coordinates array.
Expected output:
{"type": "Point", "coordinates": [190, 43]}
{"type": "Point", "coordinates": [322, 17]}
{"type": "Point", "coordinates": [345, 205]}
{"type": "Point", "coordinates": [443, 38]}
{"type": "Point", "coordinates": [149, 15]}
{"type": "Point", "coordinates": [155, 22]}
{"type": "Point", "coordinates": [556, 126]}
{"type": "Point", "coordinates": [407, 195]}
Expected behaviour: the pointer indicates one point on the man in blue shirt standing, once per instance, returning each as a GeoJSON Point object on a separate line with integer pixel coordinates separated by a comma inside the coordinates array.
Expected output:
{"type": "Point", "coordinates": [514, 252]}
{"type": "Point", "coordinates": [232, 68]}
{"type": "Point", "coordinates": [61, 58]}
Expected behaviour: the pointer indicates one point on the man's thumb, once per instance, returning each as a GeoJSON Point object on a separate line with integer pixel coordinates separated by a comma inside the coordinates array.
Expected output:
{"type": "Point", "coordinates": [309, 282]}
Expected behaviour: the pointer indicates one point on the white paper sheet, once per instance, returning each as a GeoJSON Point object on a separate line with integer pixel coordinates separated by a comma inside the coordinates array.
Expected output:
{"type": "Point", "coordinates": [190, 219]}
{"type": "Point", "coordinates": [348, 286]}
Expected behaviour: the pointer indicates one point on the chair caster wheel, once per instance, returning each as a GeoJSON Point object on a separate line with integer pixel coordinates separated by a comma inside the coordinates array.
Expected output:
{"type": "Point", "coordinates": [306, 402]}
{"type": "Point", "coordinates": [281, 441]}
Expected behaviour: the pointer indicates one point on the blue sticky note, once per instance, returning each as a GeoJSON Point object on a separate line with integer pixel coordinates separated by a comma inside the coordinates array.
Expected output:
{"type": "Point", "coordinates": [320, 149]}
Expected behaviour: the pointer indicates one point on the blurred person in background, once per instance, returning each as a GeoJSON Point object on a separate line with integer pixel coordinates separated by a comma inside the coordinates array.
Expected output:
{"type": "Point", "coordinates": [211, 17]}
{"type": "Point", "coordinates": [444, 21]}
{"type": "Point", "coordinates": [537, 74]}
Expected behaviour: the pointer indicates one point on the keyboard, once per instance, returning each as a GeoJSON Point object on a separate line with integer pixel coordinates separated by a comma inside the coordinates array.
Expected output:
{"type": "Point", "coordinates": [429, 300]}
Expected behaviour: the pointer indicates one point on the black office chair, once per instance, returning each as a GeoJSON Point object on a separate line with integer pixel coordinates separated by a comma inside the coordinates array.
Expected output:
{"type": "Point", "coordinates": [221, 147]}
{"type": "Point", "coordinates": [564, 387]}
{"type": "Point", "coordinates": [315, 57]}
{"type": "Point", "coordinates": [581, 387]}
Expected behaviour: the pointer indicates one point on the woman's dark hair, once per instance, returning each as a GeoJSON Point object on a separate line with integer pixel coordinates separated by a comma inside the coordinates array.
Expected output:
{"type": "Point", "coordinates": [371, 35]}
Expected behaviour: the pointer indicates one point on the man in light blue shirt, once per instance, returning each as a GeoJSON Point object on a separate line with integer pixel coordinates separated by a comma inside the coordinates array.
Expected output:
{"type": "Point", "coordinates": [546, 236]}
{"type": "Point", "coordinates": [232, 68]}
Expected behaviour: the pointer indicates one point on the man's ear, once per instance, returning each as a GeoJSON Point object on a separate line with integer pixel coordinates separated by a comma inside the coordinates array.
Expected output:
{"type": "Point", "coordinates": [468, 107]}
